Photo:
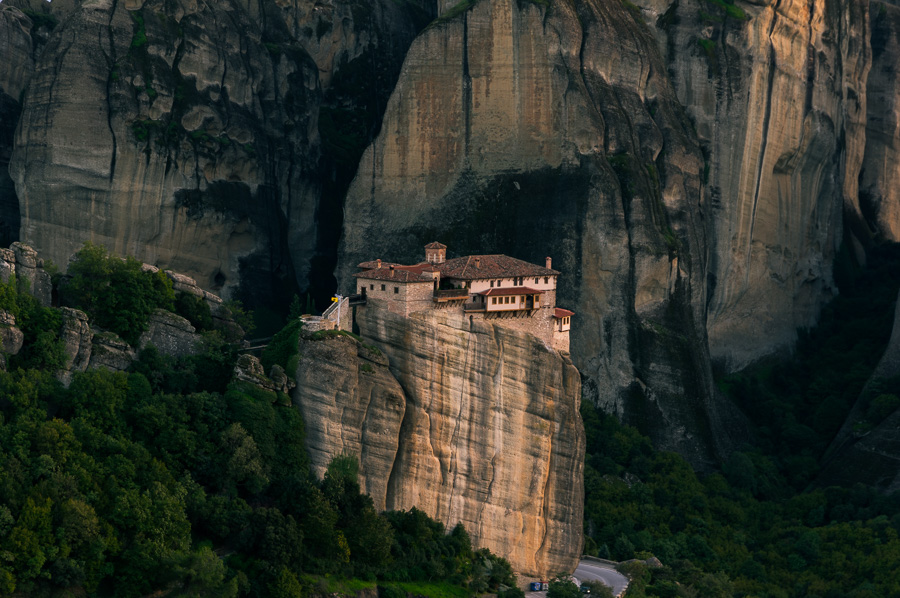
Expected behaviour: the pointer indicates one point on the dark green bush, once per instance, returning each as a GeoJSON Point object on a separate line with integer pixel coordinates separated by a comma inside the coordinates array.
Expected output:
{"type": "Point", "coordinates": [195, 310]}
{"type": "Point", "coordinates": [116, 293]}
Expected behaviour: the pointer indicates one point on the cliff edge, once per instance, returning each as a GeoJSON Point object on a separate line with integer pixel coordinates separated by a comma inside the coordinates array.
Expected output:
{"type": "Point", "coordinates": [469, 422]}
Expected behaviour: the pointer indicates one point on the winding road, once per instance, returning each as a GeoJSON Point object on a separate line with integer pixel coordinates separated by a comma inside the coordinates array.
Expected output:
{"type": "Point", "coordinates": [590, 569]}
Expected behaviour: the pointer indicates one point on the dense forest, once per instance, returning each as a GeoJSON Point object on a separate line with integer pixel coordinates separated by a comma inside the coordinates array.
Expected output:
{"type": "Point", "coordinates": [763, 526]}
{"type": "Point", "coordinates": [175, 479]}
{"type": "Point", "coordinates": [170, 479]}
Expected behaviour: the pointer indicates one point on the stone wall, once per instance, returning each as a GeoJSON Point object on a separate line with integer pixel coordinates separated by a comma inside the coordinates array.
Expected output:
{"type": "Point", "coordinates": [408, 298]}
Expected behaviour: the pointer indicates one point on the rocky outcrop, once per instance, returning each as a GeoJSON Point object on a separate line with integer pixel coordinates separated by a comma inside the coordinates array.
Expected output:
{"type": "Point", "coordinates": [11, 336]}
{"type": "Point", "coordinates": [110, 352]}
{"type": "Point", "coordinates": [76, 335]}
{"type": "Point", "coordinates": [248, 368]}
{"type": "Point", "coordinates": [23, 263]}
{"type": "Point", "coordinates": [171, 334]}
{"type": "Point", "coordinates": [777, 93]}
{"type": "Point", "coordinates": [530, 131]}
{"type": "Point", "coordinates": [476, 424]}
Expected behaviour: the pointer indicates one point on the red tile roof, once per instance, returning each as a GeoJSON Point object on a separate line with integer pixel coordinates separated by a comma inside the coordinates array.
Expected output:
{"type": "Point", "coordinates": [435, 245]}
{"type": "Point", "coordinates": [418, 273]}
{"type": "Point", "coordinates": [510, 291]}
{"type": "Point", "coordinates": [475, 267]}
{"type": "Point", "coordinates": [559, 312]}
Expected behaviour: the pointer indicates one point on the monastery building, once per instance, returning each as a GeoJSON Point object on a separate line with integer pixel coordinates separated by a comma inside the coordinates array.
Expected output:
{"type": "Point", "coordinates": [507, 291]}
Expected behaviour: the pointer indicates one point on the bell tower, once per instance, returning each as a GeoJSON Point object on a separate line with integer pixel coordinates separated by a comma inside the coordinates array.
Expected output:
{"type": "Point", "coordinates": [435, 253]}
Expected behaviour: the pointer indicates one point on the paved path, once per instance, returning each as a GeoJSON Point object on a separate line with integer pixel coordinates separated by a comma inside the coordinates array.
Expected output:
{"type": "Point", "coordinates": [589, 570]}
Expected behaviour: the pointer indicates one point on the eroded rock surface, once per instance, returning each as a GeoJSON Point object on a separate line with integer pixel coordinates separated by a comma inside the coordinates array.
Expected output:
{"type": "Point", "coordinates": [76, 335]}
{"type": "Point", "coordinates": [478, 426]}
{"type": "Point", "coordinates": [188, 134]}
{"type": "Point", "coordinates": [880, 176]}
{"type": "Point", "coordinates": [11, 336]}
{"type": "Point", "coordinates": [109, 351]}
{"type": "Point", "coordinates": [532, 132]}
{"type": "Point", "coordinates": [170, 334]}
{"type": "Point", "coordinates": [351, 404]}
{"type": "Point", "coordinates": [777, 93]}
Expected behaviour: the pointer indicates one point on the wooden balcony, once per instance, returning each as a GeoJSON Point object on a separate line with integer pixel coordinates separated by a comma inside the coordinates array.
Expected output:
{"type": "Point", "coordinates": [446, 295]}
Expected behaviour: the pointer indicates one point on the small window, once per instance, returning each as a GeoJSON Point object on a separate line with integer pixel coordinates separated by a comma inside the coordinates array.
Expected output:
{"type": "Point", "coordinates": [492, 283]}
{"type": "Point", "coordinates": [536, 281]}
{"type": "Point", "coordinates": [546, 278]}
{"type": "Point", "coordinates": [396, 290]}
{"type": "Point", "coordinates": [382, 287]}
{"type": "Point", "coordinates": [371, 287]}
{"type": "Point", "coordinates": [506, 300]}
{"type": "Point", "coordinates": [493, 301]}
{"type": "Point", "coordinates": [498, 283]}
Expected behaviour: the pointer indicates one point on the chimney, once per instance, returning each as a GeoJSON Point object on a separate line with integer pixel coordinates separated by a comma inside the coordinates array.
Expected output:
{"type": "Point", "coordinates": [378, 264]}
{"type": "Point", "coordinates": [549, 261]}
{"type": "Point", "coordinates": [478, 262]}
{"type": "Point", "coordinates": [392, 270]}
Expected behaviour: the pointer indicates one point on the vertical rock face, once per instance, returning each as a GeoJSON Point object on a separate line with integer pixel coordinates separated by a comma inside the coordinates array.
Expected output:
{"type": "Point", "coordinates": [880, 176]}
{"type": "Point", "coordinates": [476, 424]}
{"type": "Point", "coordinates": [535, 131]}
{"type": "Point", "coordinates": [777, 91]}
{"type": "Point", "coordinates": [351, 405]}
{"type": "Point", "coordinates": [15, 72]}
{"type": "Point", "coordinates": [188, 134]}
{"type": "Point", "coordinates": [142, 130]}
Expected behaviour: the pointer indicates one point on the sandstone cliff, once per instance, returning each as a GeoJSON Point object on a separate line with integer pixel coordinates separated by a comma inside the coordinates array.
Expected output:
{"type": "Point", "coordinates": [521, 129]}
{"type": "Point", "coordinates": [187, 134]}
{"type": "Point", "coordinates": [476, 424]}
{"type": "Point", "coordinates": [777, 93]}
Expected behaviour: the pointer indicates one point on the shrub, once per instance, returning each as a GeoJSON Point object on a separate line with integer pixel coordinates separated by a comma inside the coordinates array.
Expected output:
{"type": "Point", "coordinates": [195, 310]}
{"type": "Point", "coordinates": [116, 293]}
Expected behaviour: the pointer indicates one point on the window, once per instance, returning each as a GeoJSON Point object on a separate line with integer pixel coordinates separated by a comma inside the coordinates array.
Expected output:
{"type": "Point", "coordinates": [536, 281]}
{"type": "Point", "coordinates": [396, 290]}
{"type": "Point", "coordinates": [493, 301]}
{"type": "Point", "coordinates": [492, 283]}
{"type": "Point", "coordinates": [546, 278]}
{"type": "Point", "coordinates": [382, 287]}
{"type": "Point", "coordinates": [371, 287]}
{"type": "Point", "coordinates": [507, 300]}
{"type": "Point", "coordinates": [498, 283]}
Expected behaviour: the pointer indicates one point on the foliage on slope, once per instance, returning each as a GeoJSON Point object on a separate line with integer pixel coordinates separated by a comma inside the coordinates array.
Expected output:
{"type": "Point", "coordinates": [758, 528]}
{"type": "Point", "coordinates": [170, 480]}
{"type": "Point", "coordinates": [717, 539]}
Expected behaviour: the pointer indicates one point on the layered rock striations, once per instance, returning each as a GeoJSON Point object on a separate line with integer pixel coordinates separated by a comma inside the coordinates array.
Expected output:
{"type": "Point", "coordinates": [879, 180]}
{"type": "Point", "coordinates": [777, 93]}
{"type": "Point", "coordinates": [530, 130]}
{"type": "Point", "coordinates": [188, 135]}
{"type": "Point", "coordinates": [472, 423]}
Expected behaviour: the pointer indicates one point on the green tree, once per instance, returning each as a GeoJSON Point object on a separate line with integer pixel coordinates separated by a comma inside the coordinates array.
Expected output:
{"type": "Point", "coordinates": [116, 293]}
{"type": "Point", "coordinates": [562, 587]}
{"type": "Point", "coordinates": [285, 585]}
